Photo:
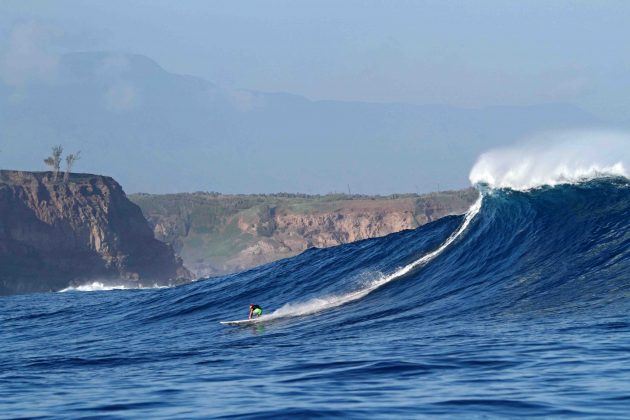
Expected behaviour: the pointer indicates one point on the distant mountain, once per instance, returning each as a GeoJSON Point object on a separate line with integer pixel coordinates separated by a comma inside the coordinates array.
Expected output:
{"type": "Point", "coordinates": [161, 132]}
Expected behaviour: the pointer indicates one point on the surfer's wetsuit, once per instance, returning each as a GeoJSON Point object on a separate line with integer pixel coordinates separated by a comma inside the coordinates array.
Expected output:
{"type": "Point", "coordinates": [254, 311]}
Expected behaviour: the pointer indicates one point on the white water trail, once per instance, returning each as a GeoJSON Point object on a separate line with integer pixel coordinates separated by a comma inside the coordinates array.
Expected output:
{"type": "Point", "coordinates": [326, 302]}
{"type": "Point", "coordinates": [555, 158]}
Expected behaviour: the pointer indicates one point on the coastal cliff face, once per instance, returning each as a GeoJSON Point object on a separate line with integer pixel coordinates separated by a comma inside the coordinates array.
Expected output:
{"type": "Point", "coordinates": [218, 234]}
{"type": "Point", "coordinates": [56, 234]}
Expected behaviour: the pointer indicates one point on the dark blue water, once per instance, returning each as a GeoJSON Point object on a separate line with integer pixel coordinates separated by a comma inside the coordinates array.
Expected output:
{"type": "Point", "coordinates": [524, 313]}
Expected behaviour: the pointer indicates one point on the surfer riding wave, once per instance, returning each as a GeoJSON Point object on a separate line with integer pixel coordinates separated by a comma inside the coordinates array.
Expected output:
{"type": "Point", "coordinates": [255, 311]}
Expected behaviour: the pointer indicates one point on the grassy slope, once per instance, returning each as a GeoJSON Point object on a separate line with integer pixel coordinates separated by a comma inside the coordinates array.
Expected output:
{"type": "Point", "coordinates": [203, 227]}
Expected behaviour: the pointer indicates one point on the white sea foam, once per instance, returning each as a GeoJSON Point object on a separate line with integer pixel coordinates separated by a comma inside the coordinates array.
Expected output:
{"type": "Point", "coordinates": [326, 302]}
{"type": "Point", "coordinates": [92, 287]}
{"type": "Point", "coordinates": [555, 158]}
{"type": "Point", "coordinates": [97, 286]}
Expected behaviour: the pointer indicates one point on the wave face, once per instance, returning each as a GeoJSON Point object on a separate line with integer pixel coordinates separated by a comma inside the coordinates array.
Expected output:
{"type": "Point", "coordinates": [518, 308]}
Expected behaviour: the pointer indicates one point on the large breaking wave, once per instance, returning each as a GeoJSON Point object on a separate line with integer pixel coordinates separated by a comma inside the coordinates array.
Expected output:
{"type": "Point", "coordinates": [555, 158]}
{"type": "Point", "coordinates": [574, 184]}
{"type": "Point", "coordinates": [503, 311]}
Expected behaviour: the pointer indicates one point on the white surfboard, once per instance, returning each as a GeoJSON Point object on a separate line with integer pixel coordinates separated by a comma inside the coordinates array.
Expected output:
{"type": "Point", "coordinates": [241, 321]}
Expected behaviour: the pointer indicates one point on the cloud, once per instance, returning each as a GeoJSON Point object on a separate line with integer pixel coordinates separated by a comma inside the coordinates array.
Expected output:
{"type": "Point", "coordinates": [121, 96]}
{"type": "Point", "coordinates": [121, 93]}
{"type": "Point", "coordinates": [27, 56]}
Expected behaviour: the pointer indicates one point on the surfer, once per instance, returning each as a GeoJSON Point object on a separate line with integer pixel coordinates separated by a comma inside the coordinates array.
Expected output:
{"type": "Point", "coordinates": [254, 311]}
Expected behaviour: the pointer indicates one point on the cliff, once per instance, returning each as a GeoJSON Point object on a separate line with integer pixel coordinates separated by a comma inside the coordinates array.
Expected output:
{"type": "Point", "coordinates": [218, 234]}
{"type": "Point", "coordinates": [55, 234]}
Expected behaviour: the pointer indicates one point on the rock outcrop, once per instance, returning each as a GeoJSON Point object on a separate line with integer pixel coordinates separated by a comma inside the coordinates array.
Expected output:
{"type": "Point", "coordinates": [218, 234]}
{"type": "Point", "coordinates": [56, 234]}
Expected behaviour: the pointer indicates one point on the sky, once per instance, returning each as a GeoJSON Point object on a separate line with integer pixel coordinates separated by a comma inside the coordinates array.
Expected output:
{"type": "Point", "coordinates": [469, 54]}
{"type": "Point", "coordinates": [482, 55]}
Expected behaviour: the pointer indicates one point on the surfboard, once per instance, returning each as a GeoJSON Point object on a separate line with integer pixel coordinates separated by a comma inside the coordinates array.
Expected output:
{"type": "Point", "coordinates": [240, 322]}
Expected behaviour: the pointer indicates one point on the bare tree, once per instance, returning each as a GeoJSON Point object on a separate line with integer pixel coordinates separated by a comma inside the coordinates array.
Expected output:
{"type": "Point", "coordinates": [54, 161]}
{"type": "Point", "coordinates": [70, 160]}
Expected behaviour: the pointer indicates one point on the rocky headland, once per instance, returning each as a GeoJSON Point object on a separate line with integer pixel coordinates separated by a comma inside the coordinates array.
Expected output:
{"type": "Point", "coordinates": [218, 234]}
{"type": "Point", "coordinates": [56, 234]}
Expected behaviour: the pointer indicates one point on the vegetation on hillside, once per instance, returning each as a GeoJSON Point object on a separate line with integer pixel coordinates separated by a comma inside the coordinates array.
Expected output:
{"type": "Point", "coordinates": [210, 229]}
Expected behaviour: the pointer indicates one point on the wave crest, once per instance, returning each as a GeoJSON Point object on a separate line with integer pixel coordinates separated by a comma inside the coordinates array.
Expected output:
{"type": "Point", "coordinates": [553, 159]}
{"type": "Point", "coordinates": [97, 286]}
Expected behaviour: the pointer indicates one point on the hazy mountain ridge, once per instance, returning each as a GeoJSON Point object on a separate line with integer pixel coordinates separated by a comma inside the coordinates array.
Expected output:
{"type": "Point", "coordinates": [218, 234]}
{"type": "Point", "coordinates": [140, 123]}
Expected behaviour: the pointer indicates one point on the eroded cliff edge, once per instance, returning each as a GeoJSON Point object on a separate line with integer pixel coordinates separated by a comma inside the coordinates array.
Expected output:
{"type": "Point", "coordinates": [56, 234]}
{"type": "Point", "coordinates": [218, 234]}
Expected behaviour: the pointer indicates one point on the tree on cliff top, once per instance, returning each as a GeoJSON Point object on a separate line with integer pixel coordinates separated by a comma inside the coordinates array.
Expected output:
{"type": "Point", "coordinates": [54, 161]}
{"type": "Point", "coordinates": [70, 160]}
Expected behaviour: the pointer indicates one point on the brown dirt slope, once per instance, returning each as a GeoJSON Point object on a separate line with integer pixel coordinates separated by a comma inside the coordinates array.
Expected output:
{"type": "Point", "coordinates": [218, 234]}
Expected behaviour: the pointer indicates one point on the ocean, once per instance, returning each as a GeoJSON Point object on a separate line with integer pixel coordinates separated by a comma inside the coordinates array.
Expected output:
{"type": "Point", "coordinates": [518, 308]}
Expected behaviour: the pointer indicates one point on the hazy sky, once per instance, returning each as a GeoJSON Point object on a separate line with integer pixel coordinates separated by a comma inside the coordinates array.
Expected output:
{"type": "Point", "coordinates": [473, 53]}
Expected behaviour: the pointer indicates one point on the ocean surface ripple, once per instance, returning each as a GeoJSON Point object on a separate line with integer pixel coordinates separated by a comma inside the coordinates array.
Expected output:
{"type": "Point", "coordinates": [518, 308]}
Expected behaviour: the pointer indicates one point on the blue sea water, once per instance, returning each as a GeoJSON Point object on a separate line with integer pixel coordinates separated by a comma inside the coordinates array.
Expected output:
{"type": "Point", "coordinates": [517, 309]}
